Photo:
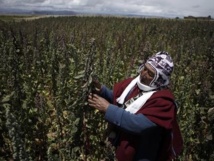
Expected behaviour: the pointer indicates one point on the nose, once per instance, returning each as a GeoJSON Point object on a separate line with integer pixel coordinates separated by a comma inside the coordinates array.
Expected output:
{"type": "Point", "coordinates": [147, 75]}
{"type": "Point", "coordinates": [144, 72]}
{"type": "Point", "coordinates": [143, 76]}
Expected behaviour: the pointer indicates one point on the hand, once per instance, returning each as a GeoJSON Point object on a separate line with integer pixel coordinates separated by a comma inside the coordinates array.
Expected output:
{"type": "Point", "coordinates": [98, 102]}
{"type": "Point", "coordinates": [96, 84]}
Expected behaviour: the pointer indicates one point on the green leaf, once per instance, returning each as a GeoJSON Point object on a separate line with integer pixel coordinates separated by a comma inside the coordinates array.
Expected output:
{"type": "Point", "coordinates": [197, 91]}
{"type": "Point", "coordinates": [7, 97]}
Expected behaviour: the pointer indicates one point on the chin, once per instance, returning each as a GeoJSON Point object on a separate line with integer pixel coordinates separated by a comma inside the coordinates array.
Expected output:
{"type": "Point", "coordinates": [142, 81]}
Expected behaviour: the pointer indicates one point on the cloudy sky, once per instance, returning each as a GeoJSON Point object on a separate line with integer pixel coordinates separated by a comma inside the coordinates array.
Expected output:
{"type": "Point", "coordinates": [140, 7]}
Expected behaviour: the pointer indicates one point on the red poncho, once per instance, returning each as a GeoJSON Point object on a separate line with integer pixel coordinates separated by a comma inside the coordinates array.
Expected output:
{"type": "Point", "coordinates": [161, 110]}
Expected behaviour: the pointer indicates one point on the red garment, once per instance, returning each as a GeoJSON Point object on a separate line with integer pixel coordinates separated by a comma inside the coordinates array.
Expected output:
{"type": "Point", "coordinates": [160, 109]}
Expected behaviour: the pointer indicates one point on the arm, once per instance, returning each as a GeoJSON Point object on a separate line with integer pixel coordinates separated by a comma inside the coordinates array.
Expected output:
{"type": "Point", "coordinates": [119, 117]}
{"type": "Point", "coordinates": [106, 93]}
{"type": "Point", "coordinates": [101, 90]}
{"type": "Point", "coordinates": [127, 121]}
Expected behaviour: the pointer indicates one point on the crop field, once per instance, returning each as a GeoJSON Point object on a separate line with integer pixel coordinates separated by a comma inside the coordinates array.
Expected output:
{"type": "Point", "coordinates": [45, 73]}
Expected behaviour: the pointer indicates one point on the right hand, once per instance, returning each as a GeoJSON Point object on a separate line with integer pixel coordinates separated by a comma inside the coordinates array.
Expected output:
{"type": "Point", "coordinates": [98, 102]}
{"type": "Point", "coordinates": [96, 84]}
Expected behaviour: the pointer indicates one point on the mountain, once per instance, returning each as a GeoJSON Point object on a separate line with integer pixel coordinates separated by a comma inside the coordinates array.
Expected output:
{"type": "Point", "coordinates": [5, 11]}
{"type": "Point", "coordinates": [36, 12]}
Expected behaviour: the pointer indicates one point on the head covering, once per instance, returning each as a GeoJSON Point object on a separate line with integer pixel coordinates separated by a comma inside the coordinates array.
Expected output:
{"type": "Point", "coordinates": [163, 64]}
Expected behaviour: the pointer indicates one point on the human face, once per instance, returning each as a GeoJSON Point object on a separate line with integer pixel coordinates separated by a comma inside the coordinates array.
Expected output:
{"type": "Point", "coordinates": [147, 74]}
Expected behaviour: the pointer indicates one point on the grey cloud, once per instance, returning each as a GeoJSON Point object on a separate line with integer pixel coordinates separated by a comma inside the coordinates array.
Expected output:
{"type": "Point", "coordinates": [94, 3]}
{"type": "Point", "coordinates": [158, 7]}
{"type": "Point", "coordinates": [195, 6]}
{"type": "Point", "coordinates": [31, 1]}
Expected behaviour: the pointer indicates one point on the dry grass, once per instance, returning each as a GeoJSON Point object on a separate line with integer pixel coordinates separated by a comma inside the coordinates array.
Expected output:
{"type": "Point", "coordinates": [18, 18]}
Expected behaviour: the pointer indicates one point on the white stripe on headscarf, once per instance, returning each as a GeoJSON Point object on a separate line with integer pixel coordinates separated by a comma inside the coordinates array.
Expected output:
{"type": "Point", "coordinates": [137, 104]}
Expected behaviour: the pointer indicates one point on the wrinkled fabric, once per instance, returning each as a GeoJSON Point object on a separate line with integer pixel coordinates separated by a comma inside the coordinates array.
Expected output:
{"type": "Point", "coordinates": [161, 110]}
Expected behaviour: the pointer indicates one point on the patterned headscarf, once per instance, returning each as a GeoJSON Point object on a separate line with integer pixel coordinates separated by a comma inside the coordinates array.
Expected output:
{"type": "Point", "coordinates": [163, 64]}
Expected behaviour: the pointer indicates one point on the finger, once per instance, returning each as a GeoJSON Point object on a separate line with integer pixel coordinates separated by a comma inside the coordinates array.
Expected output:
{"type": "Point", "coordinates": [95, 96]}
{"type": "Point", "coordinates": [91, 103]}
{"type": "Point", "coordinates": [91, 99]}
{"type": "Point", "coordinates": [90, 96]}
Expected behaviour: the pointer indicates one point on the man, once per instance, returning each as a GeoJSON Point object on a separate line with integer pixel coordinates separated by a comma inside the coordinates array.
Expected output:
{"type": "Point", "coordinates": [142, 113]}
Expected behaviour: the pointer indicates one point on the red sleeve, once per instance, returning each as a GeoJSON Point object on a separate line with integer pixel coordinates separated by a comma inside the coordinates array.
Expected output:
{"type": "Point", "coordinates": [160, 109]}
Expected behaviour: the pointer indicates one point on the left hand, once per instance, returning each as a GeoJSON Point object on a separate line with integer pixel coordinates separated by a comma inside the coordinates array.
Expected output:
{"type": "Point", "coordinates": [98, 102]}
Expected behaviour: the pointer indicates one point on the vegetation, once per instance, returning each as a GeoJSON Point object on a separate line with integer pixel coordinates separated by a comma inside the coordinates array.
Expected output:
{"type": "Point", "coordinates": [45, 73]}
{"type": "Point", "coordinates": [18, 18]}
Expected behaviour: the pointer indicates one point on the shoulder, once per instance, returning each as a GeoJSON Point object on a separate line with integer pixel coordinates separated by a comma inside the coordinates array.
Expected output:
{"type": "Point", "coordinates": [160, 108]}
{"type": "Point", "coordinates": [161, 101]}
{"type": "Point", "coordinates": [122, 84]}
{"type": "Point", "coordinates": [166, 94]}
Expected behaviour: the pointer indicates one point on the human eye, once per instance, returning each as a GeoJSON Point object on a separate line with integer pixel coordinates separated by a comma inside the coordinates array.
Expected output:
{"type": "Point", "coordinates": [151, 74]}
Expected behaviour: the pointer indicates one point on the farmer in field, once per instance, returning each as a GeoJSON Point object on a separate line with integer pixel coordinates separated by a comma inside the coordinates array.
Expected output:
{"type": "Point", "coordinates": [141, 113]}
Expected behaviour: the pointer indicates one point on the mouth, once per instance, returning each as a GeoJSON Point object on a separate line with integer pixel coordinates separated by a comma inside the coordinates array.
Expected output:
{"type": "Point", "coordinates": [142, 79]}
